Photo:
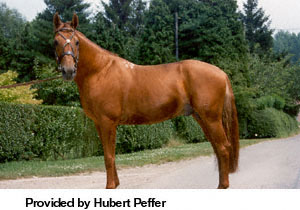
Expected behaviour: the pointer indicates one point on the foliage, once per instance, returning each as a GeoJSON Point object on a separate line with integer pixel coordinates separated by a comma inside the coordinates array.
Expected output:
{"type": "Point", "coordinates": [270, 101]}
{"type": "Point", "coordinates": [11, 22]}
{"type": "Point", "coordinates": [11, 26]}
{"type": "Point", "coordinates": [21, 95]}
{"type": "Point", "coordinates": [257, 28]}
{"type": "Point", "coordinates": [140, 137]}
{"type": "Point", "coordinates": [118, 12]}
{"type": "Point", "coordinates": [188, 130]}
{"type": "Point", "coordinates": [271, 123]}
{"type": "Point", "coordinates": [57, 91]}
{"type": "Point", "coordinates": [288, 43]}
{"type": "Point", "coordinates": [157, 42]}
{"type": "Point", "coordinates": [30, 132]}
{"type": "Point", "coordinates": [210, 31]}
{"type": "Point", "coordinates": [271, 77]}
{"type": "Point", "coordinates": [54, 132]}
{"type": "Point", "coordinates": [118, 28]}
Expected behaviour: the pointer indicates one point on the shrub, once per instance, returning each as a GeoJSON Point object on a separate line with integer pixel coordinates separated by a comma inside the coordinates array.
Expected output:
{"type": "Point", "coordinates": [44, 132]}
{"type": "Point", "coordinates": [21, 95]}
{"type": "Point", "coordinates": [271, 123]}
{"type": "Point", "coordinates": [270, 101]}
{"type": "Point", "coordinates": [52, 132]}
{"type": "Point", "coordinates": [279, 102]}
{"type": "Point", "coordinates": [265, 102]}
{"type": "Point", "coordinates": [188, 129]}
{"type": "Point", "coordinates": [131, 138]}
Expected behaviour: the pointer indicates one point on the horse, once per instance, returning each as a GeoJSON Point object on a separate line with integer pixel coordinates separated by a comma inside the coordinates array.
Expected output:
{"type": "Point", "coordinates": [114, 91]}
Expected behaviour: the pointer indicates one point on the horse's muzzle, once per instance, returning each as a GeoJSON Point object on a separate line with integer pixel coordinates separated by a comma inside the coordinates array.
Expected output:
{"type": "Point", "coordinates": [68, 73]}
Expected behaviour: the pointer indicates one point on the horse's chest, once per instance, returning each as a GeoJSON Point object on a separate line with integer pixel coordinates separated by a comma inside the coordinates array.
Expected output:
{"type": "Point", "coordinates": [96, 104]}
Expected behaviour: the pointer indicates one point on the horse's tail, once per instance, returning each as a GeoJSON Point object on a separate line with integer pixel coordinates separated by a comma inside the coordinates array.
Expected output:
{"type": "Point", "coordinates": [231, 127]}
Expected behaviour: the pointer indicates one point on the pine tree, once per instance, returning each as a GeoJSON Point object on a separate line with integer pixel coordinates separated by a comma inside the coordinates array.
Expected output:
{"type": "Point", "coordinates": [118, 12]}
{"type": "Point", "coordinates": [257, 28]}
{"type": "Point", "coordinates": [157, 43]}
{"type": "Point", "coordinates": [119, 27]}
{"type": "Point", "coordinates": [287, 43]}
{"type": "Point", "coordinates": [210, 31]}
{"type": "Point", "coordinates": [127, 15]}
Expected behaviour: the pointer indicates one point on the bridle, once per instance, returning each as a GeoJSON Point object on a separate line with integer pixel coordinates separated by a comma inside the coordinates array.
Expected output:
{"type": "Point", "coordinates": [68, 42]}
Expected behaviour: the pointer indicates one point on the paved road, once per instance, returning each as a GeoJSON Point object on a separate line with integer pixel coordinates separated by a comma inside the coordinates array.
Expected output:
{"type": "Point", "coordinates": [268, 165]}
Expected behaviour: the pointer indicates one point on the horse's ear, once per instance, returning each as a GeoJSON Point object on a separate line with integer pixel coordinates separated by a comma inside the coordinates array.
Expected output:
{"type": "Point", "coordinates": [56, 21]}
{"type": "Point", "coordinates": [75, 21]}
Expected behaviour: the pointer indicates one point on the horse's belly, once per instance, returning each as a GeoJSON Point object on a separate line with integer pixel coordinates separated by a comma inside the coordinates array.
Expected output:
{"type": "Point", "coordinates": [155, 114]}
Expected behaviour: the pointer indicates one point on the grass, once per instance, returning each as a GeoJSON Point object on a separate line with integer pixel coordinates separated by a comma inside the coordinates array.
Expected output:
{"type": "Point", "coordinates": [173, 152]}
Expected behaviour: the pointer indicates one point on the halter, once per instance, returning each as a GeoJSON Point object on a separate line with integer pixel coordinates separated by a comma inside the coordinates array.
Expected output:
{"type": "Point", "coordinates": [68, 42]}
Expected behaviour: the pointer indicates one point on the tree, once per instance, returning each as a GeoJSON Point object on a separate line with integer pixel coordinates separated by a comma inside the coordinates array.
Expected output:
{"type": "Point", "coordinates": [210, 31]}
{"type": "Point", "coordinates": [11, 25]}
{"type": "Point", "coordinates": [257, 28]}
{"type": "Point", "coordinates": [11, 22]}
{"type": "Point", "coordinates": [287, 43]}
{"type": "Point", "coordinates": [118, 28]}
{"type": "Point", "coordinates": [118, 12]}
{"type": "Point", "coordinates": [157, 43]}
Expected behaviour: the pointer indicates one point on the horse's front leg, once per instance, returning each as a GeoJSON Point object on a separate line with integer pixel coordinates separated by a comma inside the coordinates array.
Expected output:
{"type": "Point", "coordinates": [107, 132]}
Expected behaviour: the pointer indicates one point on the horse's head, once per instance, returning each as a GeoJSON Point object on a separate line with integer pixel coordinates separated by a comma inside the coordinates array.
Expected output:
{"type": "Point", "coordinates": [66, 46]}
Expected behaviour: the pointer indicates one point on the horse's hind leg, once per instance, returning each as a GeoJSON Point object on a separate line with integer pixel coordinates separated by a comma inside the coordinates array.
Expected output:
{"type": "Point", "coordinates": [215, 133]}
{"type": "Point", "coordinates": [107, 133]}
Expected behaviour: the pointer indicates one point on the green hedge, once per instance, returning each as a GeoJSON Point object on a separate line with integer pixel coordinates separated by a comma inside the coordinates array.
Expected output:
{"type": "Point", "coordinates": [132, 138]}
{"type": "Point", "coordinates": [188, 129]}
{"type": "Point", "coordinates": [52, 132]}
{"type": "Point", "coordinates": [271, 122]}
{"type": "Point", "coordinates": [45, 132]}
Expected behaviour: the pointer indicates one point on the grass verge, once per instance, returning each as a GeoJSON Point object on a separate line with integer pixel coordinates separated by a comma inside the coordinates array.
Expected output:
{"type": "Point", "coordinates": [22, 169]}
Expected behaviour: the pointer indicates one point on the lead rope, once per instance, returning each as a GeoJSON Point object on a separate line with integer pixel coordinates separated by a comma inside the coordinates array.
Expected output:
{"type": "Point", "coordinates": [30, 83]}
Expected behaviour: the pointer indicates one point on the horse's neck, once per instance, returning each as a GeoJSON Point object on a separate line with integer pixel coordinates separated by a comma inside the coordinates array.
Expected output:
{"type": "Point", "coordinates": [92, 58]}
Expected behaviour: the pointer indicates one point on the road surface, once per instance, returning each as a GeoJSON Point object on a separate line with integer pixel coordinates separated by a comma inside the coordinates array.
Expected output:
{"type": "Point", "coordinates": [267, 165]}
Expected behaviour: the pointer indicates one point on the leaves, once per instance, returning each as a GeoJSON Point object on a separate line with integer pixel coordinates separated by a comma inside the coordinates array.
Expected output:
{"type": "Point", "coordinates": [21, 94]}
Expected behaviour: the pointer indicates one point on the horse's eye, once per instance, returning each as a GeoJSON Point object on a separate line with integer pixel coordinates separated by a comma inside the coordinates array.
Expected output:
{"type": "Point", "coordinates": [77, 43]}
{"type": "Point", "coordinates": [55, 43]}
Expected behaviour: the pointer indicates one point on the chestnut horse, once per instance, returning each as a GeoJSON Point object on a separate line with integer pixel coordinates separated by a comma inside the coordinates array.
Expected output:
{"type": "Point", "coordinates": [114, 91]}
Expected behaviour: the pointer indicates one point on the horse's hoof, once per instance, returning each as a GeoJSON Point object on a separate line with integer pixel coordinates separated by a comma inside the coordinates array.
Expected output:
{"type": "Point", "coordinates": [111, 186]}
{"type": "Point", "coordinates": [223, 186]}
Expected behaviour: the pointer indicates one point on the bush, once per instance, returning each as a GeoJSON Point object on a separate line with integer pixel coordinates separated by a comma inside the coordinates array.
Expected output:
{"type": "Point", "coordinates": [265, 102]}
{"type": "Point", "coordinates": [188, 129]}
{"type": "Point", "coordinates": [52, 132]}
{"type": "Point", "coordinates": [21, 95]}
{"type": "Point", "coordinates": [271, 123]}
{"type": "Point", "coordinates": [131, 138]}
{"type": "Point", "coordinates": [44, 132]}
{"type": "Point", "coordinates": [270, 101]}
{"type": "Point", "coordinates": [279, 103]}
